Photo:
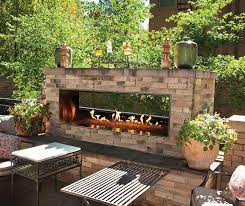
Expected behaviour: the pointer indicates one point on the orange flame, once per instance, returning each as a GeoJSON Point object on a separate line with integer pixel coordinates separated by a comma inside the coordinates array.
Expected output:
{"type": "Point", "coordinates": [67, 110]}
{"type": "Point", "coordinates": [117, 117]}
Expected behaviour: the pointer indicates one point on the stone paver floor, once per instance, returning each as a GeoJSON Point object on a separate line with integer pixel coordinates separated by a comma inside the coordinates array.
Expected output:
{"type": "Point", "coordinates": [25, 194]}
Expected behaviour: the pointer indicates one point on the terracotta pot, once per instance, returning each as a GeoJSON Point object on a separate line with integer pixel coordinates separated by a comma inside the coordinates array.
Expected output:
{"type": "Point", "coordinates": [20, 129]}
{"type": "Point", "coordinates": [37, 126]}
{"type": "Point", "coordinates": [196, 157]}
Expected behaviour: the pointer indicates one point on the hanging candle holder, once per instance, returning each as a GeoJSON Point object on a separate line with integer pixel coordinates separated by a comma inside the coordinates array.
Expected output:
{"type": "Point", "coordinates": [127, 51]}
{"type": "Point", "coordinates": [99, 54]}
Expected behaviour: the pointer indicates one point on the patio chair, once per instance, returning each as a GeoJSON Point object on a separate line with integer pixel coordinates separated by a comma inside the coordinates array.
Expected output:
{"type": "Point", "coordinates": [7, 124]}
{"type": "Point", "coordinates": [8, 144]}
{"type": "Point", "coordinates": [233, 195]}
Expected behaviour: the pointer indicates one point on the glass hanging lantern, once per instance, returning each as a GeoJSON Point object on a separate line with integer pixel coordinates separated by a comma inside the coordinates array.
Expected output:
{"type": "Point", "coordinates": [127, 48]}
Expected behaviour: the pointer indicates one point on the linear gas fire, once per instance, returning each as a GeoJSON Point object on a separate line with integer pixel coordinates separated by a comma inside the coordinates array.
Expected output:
{"type": "Point", "coordinates": [142, 114]}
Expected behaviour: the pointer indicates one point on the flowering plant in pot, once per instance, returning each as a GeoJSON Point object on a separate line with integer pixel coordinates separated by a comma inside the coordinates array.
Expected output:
{"type": "Point", "coordinates": [202, 137]}
{"type": "Point", "coordinates": [30, 117]}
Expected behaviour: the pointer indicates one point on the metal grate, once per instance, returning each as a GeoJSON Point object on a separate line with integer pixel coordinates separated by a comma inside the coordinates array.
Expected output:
{"type": "Point", "coordinates": [117, 185]}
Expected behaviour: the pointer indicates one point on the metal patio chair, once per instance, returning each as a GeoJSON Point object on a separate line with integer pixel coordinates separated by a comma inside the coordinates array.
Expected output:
{"type": "Point", "coordinates": [8, 144]}
{"type": "Point", "coordinates": [202, 196]}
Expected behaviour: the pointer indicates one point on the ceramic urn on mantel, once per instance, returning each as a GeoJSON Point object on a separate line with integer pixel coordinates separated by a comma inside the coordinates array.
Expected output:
{"type": "Point", "coordinates": [185, 54]}
{"type": "Point", "coordinates": [63, 56]}
{"type": "Point", "coordinates": [166, 62]}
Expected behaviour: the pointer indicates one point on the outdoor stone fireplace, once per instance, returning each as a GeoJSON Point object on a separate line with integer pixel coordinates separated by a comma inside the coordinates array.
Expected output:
{"type": "Point", "coordinates": [69, 91]}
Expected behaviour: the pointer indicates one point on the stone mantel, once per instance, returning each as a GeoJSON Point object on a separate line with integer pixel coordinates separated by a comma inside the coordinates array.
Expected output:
{"type": "Point", "coordinates": [189, 90]}
{"type": "Point", "coordinates": [185, 73]}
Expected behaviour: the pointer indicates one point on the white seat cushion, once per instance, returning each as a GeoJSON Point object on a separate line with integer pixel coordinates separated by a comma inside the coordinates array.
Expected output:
{"type": "Point", "coordinates": [5, 165]}
{"type": "Point", "coordinates": [208, 197]}
{"type": "Point", "coordinates": [5, 168]}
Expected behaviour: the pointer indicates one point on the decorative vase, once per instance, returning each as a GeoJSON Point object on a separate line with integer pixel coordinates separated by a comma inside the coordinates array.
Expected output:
{"type": "Point", "coordinates": [166, 62]}
{"type": "Point", "coordinates": [196, 157]}
{"type": "Point", "coordinates": [185, 54]}
{"type": "Point", "coordinates": [63, 56]}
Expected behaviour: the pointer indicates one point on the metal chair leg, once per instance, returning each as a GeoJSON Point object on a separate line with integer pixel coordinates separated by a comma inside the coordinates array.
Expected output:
{"type": "Point", "coordinates": [80, 171]}
{"type": "Point", "coordinates": [85, 202]}
{"type": "Point", "coordinates": [37, 190]}
{"type": "Point", "coordinates": [12, 187]}
{"type": "Point", "coordinates": [56, 183]}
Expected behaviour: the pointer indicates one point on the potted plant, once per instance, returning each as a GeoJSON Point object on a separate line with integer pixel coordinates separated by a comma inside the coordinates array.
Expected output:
{"type": "Point", "coordinates": [202, 137]}
{"type": "Point", "coordinates": [30, 117]}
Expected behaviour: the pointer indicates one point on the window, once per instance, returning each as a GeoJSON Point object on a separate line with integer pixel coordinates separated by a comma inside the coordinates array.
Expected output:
{"type": "Point", "coordinates": [183, 4]}
{"type": "Point", "coordinates": [167, 3]}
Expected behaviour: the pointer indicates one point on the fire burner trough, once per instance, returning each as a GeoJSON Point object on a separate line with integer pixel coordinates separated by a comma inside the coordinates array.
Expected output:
{"type": "Point", "coordinates": [118, 112]}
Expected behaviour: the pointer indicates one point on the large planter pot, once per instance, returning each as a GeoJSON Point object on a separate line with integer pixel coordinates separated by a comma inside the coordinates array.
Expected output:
{"type": "Point", "coordinates": [37, 126]}
{"type": "Point", "coordinates": [185, 54]}
{"type": "Point", "coordinates": [196, 157]}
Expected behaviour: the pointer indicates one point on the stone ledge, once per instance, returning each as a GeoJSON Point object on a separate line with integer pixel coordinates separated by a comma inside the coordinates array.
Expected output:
{"type": "Point", "coordinates": [183, 73]}
{"type": "Point", "coordinates": [237, 122]}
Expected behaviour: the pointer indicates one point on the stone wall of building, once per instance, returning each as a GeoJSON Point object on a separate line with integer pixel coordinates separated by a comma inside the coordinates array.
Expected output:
{"type": "Point", "coordinates": [174, 189]}
{"type": "Point", "coordinates": [236, 155]}
{"type": "Point", "coordinates": [190, 91]}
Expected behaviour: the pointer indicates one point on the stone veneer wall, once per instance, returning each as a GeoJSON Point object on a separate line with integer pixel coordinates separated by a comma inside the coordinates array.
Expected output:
{"type": "Point", "coordinates": [189, 92]}
{"type": "Point", "coordinates": [236, 155]}
{"type": "Point", "coordinates": [174, 189]}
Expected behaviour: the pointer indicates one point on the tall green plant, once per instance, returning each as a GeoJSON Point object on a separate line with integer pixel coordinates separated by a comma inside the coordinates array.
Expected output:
{"type": "Point", "coordinates": [38, 34]}
{"type": "Point", "coordinates": [118, 21]}
{"type": "Point", "coordinates": [10, 10]}
{"type": "Point", "coordinates": [230, 84]}
{"type": "Point", "coordinates": [208, 25]}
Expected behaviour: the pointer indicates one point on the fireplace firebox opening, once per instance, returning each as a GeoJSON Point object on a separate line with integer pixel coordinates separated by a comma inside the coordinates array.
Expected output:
{"type": "Point", "coordinates": [119, 112]}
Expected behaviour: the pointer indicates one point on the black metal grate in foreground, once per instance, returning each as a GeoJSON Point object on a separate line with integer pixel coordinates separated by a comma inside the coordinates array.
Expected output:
{"type": "Point", "coordinates": [117, 185]}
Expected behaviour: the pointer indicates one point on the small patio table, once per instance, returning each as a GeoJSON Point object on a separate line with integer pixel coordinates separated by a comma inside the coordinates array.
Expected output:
{"type": "Point", "coordinates": [37, 163]}
{"type": "Point", "coordinates": [118, 185]}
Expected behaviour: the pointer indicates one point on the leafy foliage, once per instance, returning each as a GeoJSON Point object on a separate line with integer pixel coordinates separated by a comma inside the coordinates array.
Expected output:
{"type": "Point", "coordinates": [26, 111]}
{"type": "Point", "coordinates": [209, 129]}
{"type": "Point", "coordinates": [10, 11]}
{"type": "Point", "coordinates": [230, 84]}
{"type": "Point", "coordinates": [50, 24]}
{"type": "Point", "coordinates": [84, 27]}
{"type": "Point", "coordinates": [138, 103]}
{"type": "Point", "coordinates": [212, 28]}
{"type": "Point", "coordinates": [30, 31]}
{"type": "Point", "coordinates": [118, 21]}
{"type": "Point", "coordinates": [208, 26]}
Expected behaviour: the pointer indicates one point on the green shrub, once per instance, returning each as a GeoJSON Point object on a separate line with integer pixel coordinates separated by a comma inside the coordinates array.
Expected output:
{"type": "Point", "coordinates": [230, 83]}
{"type": "Point", "coordinates": [209, 129]}
{"type": "Point", "coordinates": [28, 110]}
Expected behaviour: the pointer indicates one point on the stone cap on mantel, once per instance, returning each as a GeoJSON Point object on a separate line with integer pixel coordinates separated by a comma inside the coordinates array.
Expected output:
{"type": "Point", "coordinates": [132, 72]}
{"type": "Point", "coordinates": [237, 118]}
{"type": "Point", "coordinates": [237, 122]}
